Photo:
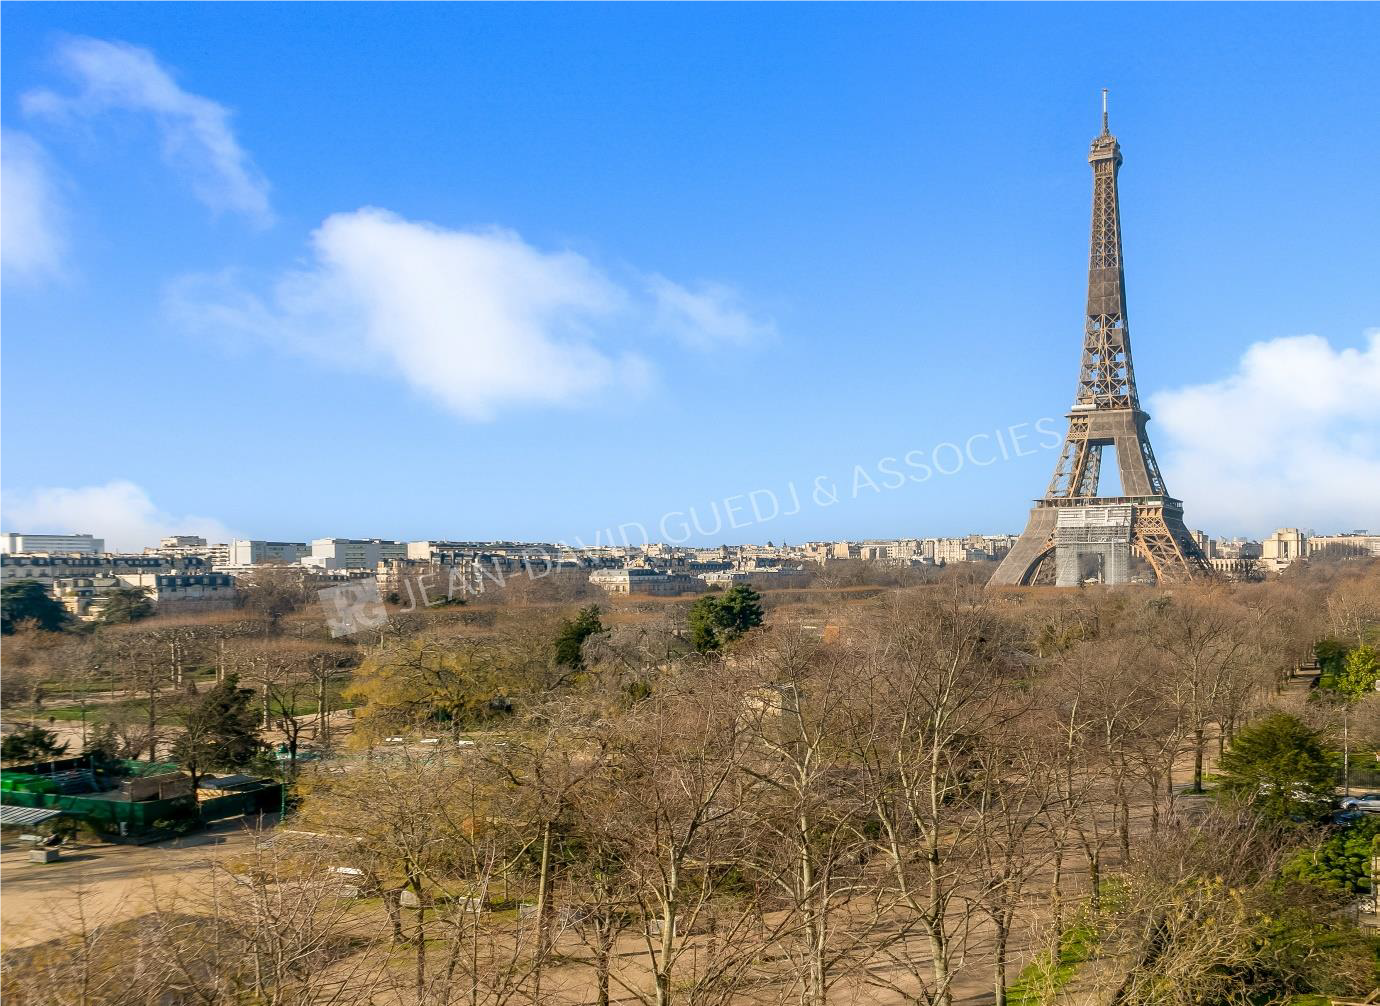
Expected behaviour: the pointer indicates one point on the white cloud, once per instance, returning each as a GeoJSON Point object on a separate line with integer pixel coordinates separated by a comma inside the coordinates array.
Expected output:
{"type": "Point", "coordinates": [196, 133]}
{"type": "Point", "coordinates": [120, 512]}
{"type": "Point", "coordinates": [476, 320]}
{"type": "Point", "coordinates": [32, 227]}
{"type": "Point", "coordinates": [705, 317]}
{"type": "Point", "coordinates": [1291, 439]}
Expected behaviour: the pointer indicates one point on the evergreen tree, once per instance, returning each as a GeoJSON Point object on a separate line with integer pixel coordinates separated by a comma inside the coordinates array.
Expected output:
{"type": "Point", "coordinates": [104, 743]}
{"type": "Point", "coordinates": [128, 604]}
{"type": "Point", "coordinates": [571, 638]}
{"type": "Point", "coordinates": [716, 620]}
{"type": "Point", "coordinates": [1342, 862]}
{"type": "Point", "coordinates": [32, 744]}
{"type": "Point", "coordinates": [221, 731]}
{"type": "Point", "coordinates": [1360, 670]}
{"type": "Point", "coordinates": [1283, 768]}
{"type": "Point", "coordinates": [29, 600]}
{"type": "Point", "coordinates": [1329, 653]}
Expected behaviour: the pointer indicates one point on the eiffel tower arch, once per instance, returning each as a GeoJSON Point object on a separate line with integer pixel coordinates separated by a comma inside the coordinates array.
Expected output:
{"type": "Point", "coordinates": [1106, 413]}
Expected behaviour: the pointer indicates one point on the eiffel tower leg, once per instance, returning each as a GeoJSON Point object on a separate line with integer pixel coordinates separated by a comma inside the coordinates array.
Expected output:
{"type": "Point", "coordinates": [1023, 565]}
{"type": "Point", "coordinates": [1162, 540]}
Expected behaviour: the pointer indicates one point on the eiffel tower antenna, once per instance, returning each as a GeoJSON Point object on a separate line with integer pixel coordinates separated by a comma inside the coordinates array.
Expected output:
{"type": "Point", "coordinates": [1072, 520]}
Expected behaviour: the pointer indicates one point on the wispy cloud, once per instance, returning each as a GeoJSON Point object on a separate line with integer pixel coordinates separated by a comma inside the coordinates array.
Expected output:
{"type": "Point", "coordinates": [197, 137]}
{"type": "Point", "coordinates": [120, 512]}
{"type": "Point", "coordinates": [706, 316]}
{"type": "Point", "coordinates": [1290, 439]}
{"type": "Point", "coordinates": [477, 320]}
{"type": "Point", "coordinates": [32, 216]}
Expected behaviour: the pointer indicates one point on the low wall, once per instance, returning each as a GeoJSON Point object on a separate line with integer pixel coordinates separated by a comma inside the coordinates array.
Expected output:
{"type": "Point", "coordinates": [266, 799]}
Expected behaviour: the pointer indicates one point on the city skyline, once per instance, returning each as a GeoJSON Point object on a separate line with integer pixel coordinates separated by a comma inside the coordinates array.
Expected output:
{"type": "Point", "coordinates": [817, 262]}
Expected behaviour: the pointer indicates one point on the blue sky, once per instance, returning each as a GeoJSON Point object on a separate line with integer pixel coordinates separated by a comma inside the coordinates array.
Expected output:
{"type": "Point", "coordinates": [541, 271]}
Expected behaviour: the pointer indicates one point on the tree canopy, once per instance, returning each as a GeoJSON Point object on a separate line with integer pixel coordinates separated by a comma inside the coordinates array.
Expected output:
{"type": "Point", "coordinates": [32, 744]}
{"type": "Point", "coordinates": [718, 619]}
{"type": "Point", "coordinates": [125, 605]}
{"type": "Point", "coordinates": [1342, 862]}
{"type": "Point", "coordinates": [29, 600]}
{"type": "Point", "coordinates": [1359, 673]}
{"type": "Point", "coordinates": [571, 638]}
{"type": "Point", "coordinates": [220, 731]}
{"type": "Point", "coordinates": [1282, 766]}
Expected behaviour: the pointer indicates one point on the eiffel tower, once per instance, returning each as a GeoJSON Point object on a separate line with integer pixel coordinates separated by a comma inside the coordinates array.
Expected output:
{"type": "Point", "coordinates": [1072, 520]}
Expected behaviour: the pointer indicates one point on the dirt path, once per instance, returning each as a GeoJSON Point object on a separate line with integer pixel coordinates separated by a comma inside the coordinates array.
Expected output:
{"type": "Point", "coordinates": [111, 882]}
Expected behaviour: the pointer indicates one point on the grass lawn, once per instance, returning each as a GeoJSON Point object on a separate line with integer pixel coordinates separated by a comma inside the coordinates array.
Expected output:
{"type": "Point", "coordinates": [1043, 978]}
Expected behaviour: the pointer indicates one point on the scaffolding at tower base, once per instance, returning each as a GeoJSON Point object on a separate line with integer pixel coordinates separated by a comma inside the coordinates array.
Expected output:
{"type": "Point", "coordinates": [1102, 531]}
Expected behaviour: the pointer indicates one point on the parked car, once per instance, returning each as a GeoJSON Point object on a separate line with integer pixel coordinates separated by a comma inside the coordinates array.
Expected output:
{"type": "Point", "coordinates": [1367, 802]}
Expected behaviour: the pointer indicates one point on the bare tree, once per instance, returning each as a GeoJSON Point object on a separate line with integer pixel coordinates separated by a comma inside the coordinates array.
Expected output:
{"type": "Point", "coordinates": [1204, 640]}
{"type": "Point", "coordinates": [1013, 788]}
{"type": "Point", "coordinates": [927, 681]}
{"type": "Point", "coordinates": [811, 811]}
{"type": "Point", "coordinates": [677, 823]}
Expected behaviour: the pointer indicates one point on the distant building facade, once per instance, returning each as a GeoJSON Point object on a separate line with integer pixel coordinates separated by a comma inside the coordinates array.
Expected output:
{"type": "Point", "coordinates": [352, 553]}
{"type": "Point", "coordinates": [1283, 548]}
{"type": "Point", "coordinates": [766, 578]}
{"type": "Point", "coordinates": [639, 580]}
{"type": "Point", "coordinates": [1353, 544]}
{"type": "Point", "coordinates": [1239, 548]}
{"type": "Point", "coordinates": [252, 552]}
{"type": "Point", "coordinates": [13, 542]}
{"type": "Point", "coordinates": [47, 568]}
{"type": "Point", "coordinates": [85, 597]}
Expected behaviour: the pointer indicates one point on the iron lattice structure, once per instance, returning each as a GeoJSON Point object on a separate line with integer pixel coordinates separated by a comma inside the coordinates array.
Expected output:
{"type": "Point", "coordinates": [1106, 413]}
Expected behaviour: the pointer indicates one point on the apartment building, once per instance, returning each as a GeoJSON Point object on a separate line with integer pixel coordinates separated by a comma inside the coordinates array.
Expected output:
{"type": "Point", "coordinates": [85, 596]}
{"type": "Point", "coordinates": [765, 578]}
{"type": "Point", "coordinates": [352, 553]}
{"type": "Point", "coordinates": [47, 568]}
{"type": "Point", "coordinates": [641, 580]}
{"type": "Point", "coordinates": [252, 552]}
{"type": "Point", "coordinates": [14, 542]}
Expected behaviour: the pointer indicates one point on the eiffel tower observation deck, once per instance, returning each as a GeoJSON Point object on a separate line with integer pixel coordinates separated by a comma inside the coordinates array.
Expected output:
{"type": "Point", "coordinates": [1106, 413]}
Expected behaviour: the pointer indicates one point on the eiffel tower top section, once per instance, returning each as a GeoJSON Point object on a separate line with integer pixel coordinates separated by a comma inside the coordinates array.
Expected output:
{"type": "Point", "coordinates": [1106, 378]}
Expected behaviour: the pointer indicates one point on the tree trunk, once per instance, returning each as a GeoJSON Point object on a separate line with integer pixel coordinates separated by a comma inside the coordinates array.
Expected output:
{"type": "Point", "coordinates": [815, 935]}
{"type": "Point", "coordinates": [1124, 835]}
{"type": "Point", "coordinates": [321, 703]}
{"type": "Point", "coordinates": [669, 910]}
{"type": "Point", "coordinates": [1199, 743]}
{"type": "Point", "coordinates": [939, 943]}
{"type": "Point", "coordinates": [421, 941]}
{"type": "Point", "coordinates": [999, 962]}
{"type": "Point", "coordinates": [1056, 894]}
{"type": "Point", "coordinates": [543, 896]}
{"type": "Point", "coordinates": [1095, 878]}
{"type": "Point", "coordinates": [391, 902]}
{"type": "Point", "coordinates": [1346, 750]}
{"type": "Point", "coordinates": [153, 726]}
{"type": "Point", "coordinates": [602, 960]}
